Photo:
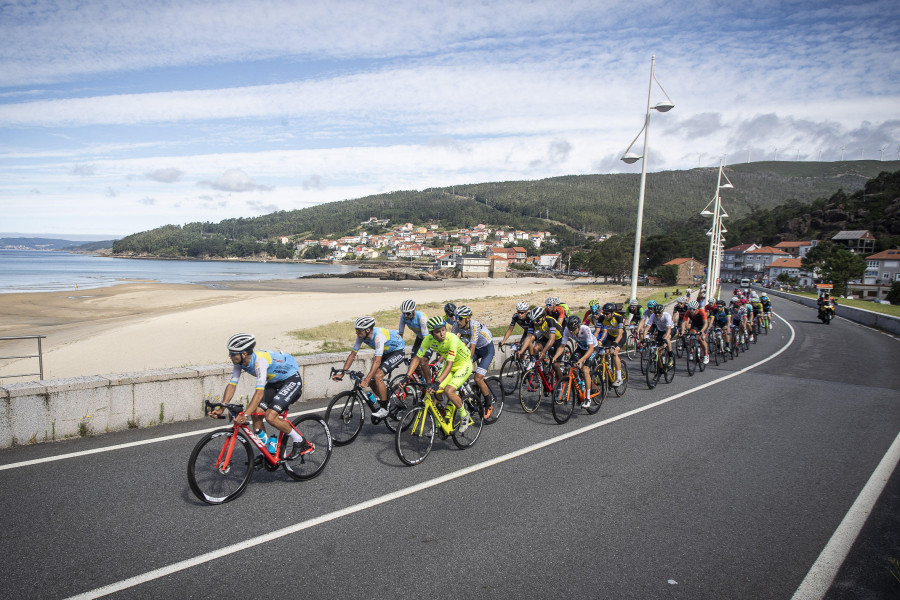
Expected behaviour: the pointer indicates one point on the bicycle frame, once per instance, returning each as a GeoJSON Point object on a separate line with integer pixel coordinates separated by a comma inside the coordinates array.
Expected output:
{"type": "Point", "coordinates": [432, 407]}
{"type": "Point", "coordinates": [222, 463]}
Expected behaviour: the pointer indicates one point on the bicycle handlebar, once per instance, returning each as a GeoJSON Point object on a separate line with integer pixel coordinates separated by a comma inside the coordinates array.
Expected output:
{"type": "Point", "coordinates": [355, 375]}
{"type": "Point", "coordinates": [233, 409]}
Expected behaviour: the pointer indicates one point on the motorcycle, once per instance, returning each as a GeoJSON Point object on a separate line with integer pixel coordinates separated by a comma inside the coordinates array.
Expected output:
{"type": "Point", "coordinates": [826, 313]}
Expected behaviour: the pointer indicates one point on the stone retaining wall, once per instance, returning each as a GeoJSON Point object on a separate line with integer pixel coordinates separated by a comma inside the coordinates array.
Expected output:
{"type": "Point", "coordinates": [48, 410]}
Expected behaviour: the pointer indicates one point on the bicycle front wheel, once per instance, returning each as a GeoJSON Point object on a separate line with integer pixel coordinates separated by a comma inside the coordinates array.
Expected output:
{"type": "Point", "coordinates": [599, 389]}
{"type": "Point", "coordinates": [496, 389]}
{"type": "Point", "coordinates": [345, 415]}
{"type": "Point", "coordinates": [620, 389]}
{"type": "Point", "coordinates": [630, 346]}
{"type": "Point", "coordinates": [415, 435]}
{"type": "Point", "coordinates": [645, 359]}
{"type": "Point", "coordinates": [314, 430]}
{"type": "Point", "coordinates": [510, 373]}
{"type": "Point", "coordinates": [653, 371]}
{"type": "Point", "coordinates": [214, 476]}
{"type": "Point", "coordinates": [563, 401]}
{"type": "Point", "coordinates": [691, 356]}
{"type": "Point", "coordinates": [467, 438]}
{"type": "Point", "coordinates": [402, 396]}
{"type": "Point", "coordinates": [531, 390]}
{"type": "Point", "coordinates": [670, 366]}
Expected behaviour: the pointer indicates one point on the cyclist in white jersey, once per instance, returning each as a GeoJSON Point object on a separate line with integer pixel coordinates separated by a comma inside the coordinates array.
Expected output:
{"type": "Point", "coordinates": [586, 342]}
{"type": "Point", "coordinates": [481, 345]}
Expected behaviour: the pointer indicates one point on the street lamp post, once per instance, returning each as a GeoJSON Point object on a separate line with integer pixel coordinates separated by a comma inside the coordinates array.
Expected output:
{"type": "Point", "coordinates": [631, 157]}
{"type": "Point", "coordinates": [716, 238]}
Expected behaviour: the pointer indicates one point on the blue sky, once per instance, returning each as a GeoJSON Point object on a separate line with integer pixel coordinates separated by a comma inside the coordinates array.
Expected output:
{"type": "Point", "coordinates": [121, 116]}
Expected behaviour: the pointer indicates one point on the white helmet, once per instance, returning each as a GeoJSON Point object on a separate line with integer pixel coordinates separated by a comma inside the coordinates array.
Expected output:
{"type": "Point", "coordinates": [537, 313]}
{"type": "Point", "coordinates": [463, 312]}
{"type": "Point", "coordinates": [681, 299]}
{"type": "Point", "coordinates": [241, 342]}
{"type": "Point", "coordinates": [522, 306]}
{"type": "Point", "coordinates": [364, 322]}
{"type": "Point", "coordinates": [408, 306]}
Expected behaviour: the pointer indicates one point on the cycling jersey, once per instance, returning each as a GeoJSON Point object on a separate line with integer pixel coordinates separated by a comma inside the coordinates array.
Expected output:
{"type": "Point", "coordinates": [721, 317]}
{"type": "Point", "coordinates": [382, 340]}
{"type": "Point", "coordinates": [267, 367]}
{"type": "Point", "coordinates": [475, 332]}
{"type": "Point", "coordinates": [757, 307]}
{"type": "Point", "coordinates": [584, 338]}
{"type": "Point", "coordinates": [738, 315]}
{"type": "Point", "coordinates": [612, 325]}
{"type": "Point", "coordinates": [550, 327]}
{"type": "Point", "coordinates": [558, 312]}
{"type": "Point", "coordinates": [767, 306]}
{"type": "Point", "coordinates": [416, 323]}
{"type": "Point", "coordinates": [634, 313]}
{"type": "Point", "coordinates": [698, 319]}
{"type": "Point", "coordinates": [678, 313]}
{"type": "Point", "coordinates": [662, 322]}
{"type": "Point", "coordinates": [452, 349]}
{"type": "Point", "coordinates": [591, 318]}
{"type": "Point", "coordinates": [523, 322]}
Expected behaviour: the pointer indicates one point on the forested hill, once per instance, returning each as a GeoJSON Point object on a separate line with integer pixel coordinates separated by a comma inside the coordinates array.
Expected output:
{"type": "Point", "coordinates": [591, 203]}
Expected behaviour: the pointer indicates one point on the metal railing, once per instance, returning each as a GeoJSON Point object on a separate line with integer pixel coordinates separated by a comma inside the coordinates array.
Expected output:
{"type": "Point", "coordinates": [38, 356]}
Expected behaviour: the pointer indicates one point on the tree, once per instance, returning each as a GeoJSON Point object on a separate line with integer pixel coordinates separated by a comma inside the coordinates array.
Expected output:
{"type": "Point", "coordinates": [668, 274]}
{"type": "Point", "coordinates": [612, 258]}
{"type": "Point", "coordinates": [787, 279]}
{"type": "Point", "coordinates": [894, 295]}
{"type": "Point", "coordinates": [835, 264]}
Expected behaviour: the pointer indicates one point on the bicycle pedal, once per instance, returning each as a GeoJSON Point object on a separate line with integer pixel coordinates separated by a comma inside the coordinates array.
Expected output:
{"type": "Point", "coordinates": [258, 463]}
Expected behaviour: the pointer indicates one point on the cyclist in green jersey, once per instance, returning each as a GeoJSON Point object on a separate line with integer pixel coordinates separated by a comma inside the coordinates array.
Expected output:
{"type": "Point", "coordinates": [457, 364]}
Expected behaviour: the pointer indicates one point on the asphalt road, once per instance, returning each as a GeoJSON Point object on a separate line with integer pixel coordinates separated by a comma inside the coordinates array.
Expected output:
{"type": "Point", "coordinates": [697, 489]}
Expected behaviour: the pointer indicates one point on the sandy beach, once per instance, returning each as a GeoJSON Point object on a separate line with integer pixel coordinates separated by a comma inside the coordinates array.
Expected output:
{"type": "Point", "coordinates": [143, 326]}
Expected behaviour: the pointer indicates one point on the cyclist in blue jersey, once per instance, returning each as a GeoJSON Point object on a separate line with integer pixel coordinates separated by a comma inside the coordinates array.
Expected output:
{"type": "Point", "coordinates": [481, 346]}
{"type": "Point", "coordinates": [416, 320]}
{"type": "Point", "coordinates": [388, 346]}
{"type": "Point", "coordinates": [278, 385]}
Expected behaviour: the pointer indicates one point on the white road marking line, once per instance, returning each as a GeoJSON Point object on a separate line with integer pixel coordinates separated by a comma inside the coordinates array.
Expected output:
{"type": "Point", "coordinates": [824, 570]}
{"type": "Point", "coordinates": [274, 535]}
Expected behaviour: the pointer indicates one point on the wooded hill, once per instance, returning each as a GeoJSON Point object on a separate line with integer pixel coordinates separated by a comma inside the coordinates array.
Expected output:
{"type": "Point", "coordinates": [593, 204]}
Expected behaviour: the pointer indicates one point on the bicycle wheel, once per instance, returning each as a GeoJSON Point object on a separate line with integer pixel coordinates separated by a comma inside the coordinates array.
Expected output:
{"type": "Point", "coordinates": [211, 482]}
{"type": "Point", "coordinates": [415, 435]}
{"type": "Point", "coordinates": [745, 344]}
{"type": "Point", "coordinates": [621, 389]}
{"type": "Point", "coordinates": [691, 356]}
{"type": "Point", "coordinates": [468, 438]}
{"type": "Point", "coordinates": [314, 430]}
{"type": "Point", "coordinates": [679, 346]}
{"type": "Point", "coordinates": [765, 325]}
{"type": "Point", "coordinates": [652, 373]}
{"type": "Point", "coordinates": [493, 383]}
{"type": "Point", "coordinates": [531, 390]}
{"type": "Point", "coordinates": [645, 358]}
{"type": "Point", "coordinates": [599, 390]}
{"type": "Point", "coordinates": [345, 415]}
{"type": "Point", "coordinates": [510, 374]}
{"type": "Point", "coordinates": [735, 345]}
{"type": "Point", "coordinates": [670, 369]}
{"type": "Point", "coordinates": [630, 346]}
{"type": "Point", "coordinates": [563, 401]}
{"type": "Point", "coordinates": [700, 364]}
{"type": "Point", "coordinates": [401, 397]}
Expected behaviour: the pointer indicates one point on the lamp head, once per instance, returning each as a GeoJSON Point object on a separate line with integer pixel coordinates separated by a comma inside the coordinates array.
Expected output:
{"type": "Point", "coordinates": [726, 186]}
{"type": "Point", "coordinates": [631, 157]}
{"type": "Point", "coordinates": [664, 106]}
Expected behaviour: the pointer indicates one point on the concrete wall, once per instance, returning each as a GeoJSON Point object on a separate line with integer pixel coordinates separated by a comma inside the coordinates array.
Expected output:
{"type": "Point", "coordinates": [47, 410]}
{"type": "Point", "coordinates": [851, 313]}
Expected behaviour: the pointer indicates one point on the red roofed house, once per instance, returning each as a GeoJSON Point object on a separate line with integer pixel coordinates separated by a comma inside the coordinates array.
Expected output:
{"type": "Point", "coordinates": [792, 267]}
{"type": "Point", "coordinates": [797, 249]}
{"type": "Point", "coordinates": [690, 271]}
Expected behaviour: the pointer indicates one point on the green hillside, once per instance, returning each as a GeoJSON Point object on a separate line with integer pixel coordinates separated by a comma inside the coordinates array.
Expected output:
{"type": "Point", "coordinates": [594, 204]}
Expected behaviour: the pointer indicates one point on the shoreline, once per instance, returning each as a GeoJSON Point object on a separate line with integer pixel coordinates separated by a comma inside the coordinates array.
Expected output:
{"type": "Point", "coordinates": [141, 326]}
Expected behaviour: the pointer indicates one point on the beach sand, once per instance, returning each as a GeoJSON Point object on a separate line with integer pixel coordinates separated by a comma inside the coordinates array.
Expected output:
{"type": "Point", "coordinates": [143, 326]}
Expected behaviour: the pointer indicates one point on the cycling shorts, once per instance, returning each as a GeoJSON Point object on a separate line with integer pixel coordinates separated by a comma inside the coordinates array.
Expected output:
{"type": "Point", "coordinates": [391, 360]}
{"type": "Point", "coordinates": [483, 358]}
{"type": "Point", "coordinates": [591, 359]}
{"type": "Point", "coordinates": [610, 342]}
{"type": "Point", "coordinates": [457, 377]}
{"type": "Point", "coordinates": [278, 395]}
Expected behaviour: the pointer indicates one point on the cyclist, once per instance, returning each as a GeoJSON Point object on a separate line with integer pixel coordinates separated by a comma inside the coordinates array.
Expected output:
{"type": "Point", "coordinates": [612, 336]}
{"type": "Point", "coordinates": [547, 335]}
{"type": "Point", "coordinates": [554, 309]}
{"type": "Point", "coordinates": [643, 326]}
{"type": "Point", "coordinates": [457, 364]}
{"type": "Point", "coordinates": [481, 347]}
{"type": "Point", "coordinates": [450, 313]}
{"type": "Point", "coordinates": [388, 346]}
{"type": "Point", "coordinates": [634, 314]}
{"type": "Point", "coordinates": [584, 352]}
{"type": "Point", "coordinates": [416, 320]}
{"type": "Point", "coordinates": [757, 308]}
{"type": "Point", "coordinates": [278, 385]}
{"type": "Point", "coordinates": [522, 319]}
{"type": "Point", "coordinates": [738, 315]}
{"type": "Point", "coordinates": [721, 319]}
{"type": "Point", "coordinates": [593, 316]}
{"type": "Point", "coordinates": [767, 309]}
{"type": "Point", "coordinates": [697, 321]}
{"type": "Point", "coordinates": [678, 310]}
{"type": "Point", "coordinates": [661, 323]}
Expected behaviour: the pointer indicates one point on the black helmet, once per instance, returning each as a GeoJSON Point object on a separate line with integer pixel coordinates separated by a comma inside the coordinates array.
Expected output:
{"type": "Point", "coordinates": [609, 307]}
{"type": "Point", "coordinates": [659, 308]}
{"type": "Point", "coordinates": [573, 323]}
{"type": "Point", "coordinates": [450, 309]}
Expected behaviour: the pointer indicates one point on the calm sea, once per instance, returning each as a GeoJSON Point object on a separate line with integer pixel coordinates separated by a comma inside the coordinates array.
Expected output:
{"type": "Point", "coordinates": [35, 271]}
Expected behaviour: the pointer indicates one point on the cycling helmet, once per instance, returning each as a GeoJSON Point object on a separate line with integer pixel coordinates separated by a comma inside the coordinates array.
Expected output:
{"type": "Point", "coordinates": [463, 312]}
{"type": "Point", "coordinates": [522, 306]}
{"type": "Point", "coordinates": [573, 323]}
{"type": "Point", "coordinates": [436, 323]}
{"type": "Point", "coordinates": [595, 309]}
{"type": "Point", "coordinates": [364, 322]}
{"type": "Point", "coordinates": [241, 342]}
{"type": "Point", "coordinates": [449, 309]}
{"type": "Point", "coordinates": [681, 299]}
{"type": "Point", "coordinates": [408, 306]}
{"type": "Point", "coordinates": [593, 303]}
{"type": "Point", "coordinates": [550, 301]}
{"type": "Point", "coordinates": [735, 300]}
{"type": "Point", "coordinates": [754, 296]}
{"type": "Point", "coordinates": [764, 299]}
{"type": "Point", "coordinates": [651, 304]}
{"type": "Point", "coordinates": [743, 301]}
{"type": "Point", "coordinates": [633, 303]}
{"type": "Point", "coordinates": [658, 308]}
{"type": "Point", "coordinates": [609, 307]}
{"type": "Point", "coordinates": [693, 305]}
{"type": "Point", "coordinates": [537, 313]}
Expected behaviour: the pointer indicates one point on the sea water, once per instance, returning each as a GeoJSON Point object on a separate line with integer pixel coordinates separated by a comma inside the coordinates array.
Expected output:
{"type": "Point", "coordinates": [48, 271]}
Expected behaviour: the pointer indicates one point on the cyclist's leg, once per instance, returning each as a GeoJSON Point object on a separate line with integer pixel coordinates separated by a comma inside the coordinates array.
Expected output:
{"type": "Point", "coordinates": [484, 356]}
{"type": "Point", "coordinates": [277, 399]}
{"type": "Point", "coordinates": [389, 362]}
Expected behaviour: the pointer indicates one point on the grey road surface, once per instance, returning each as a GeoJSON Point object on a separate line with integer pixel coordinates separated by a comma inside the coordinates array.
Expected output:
{"type": "Point", "coordinates": [697, 489]}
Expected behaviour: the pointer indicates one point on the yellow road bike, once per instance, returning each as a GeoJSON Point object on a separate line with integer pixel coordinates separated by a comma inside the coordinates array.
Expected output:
{"type": "Point", "coordinates": [415, 433]}
{"type": "Point", "coordinates": [604, 374]}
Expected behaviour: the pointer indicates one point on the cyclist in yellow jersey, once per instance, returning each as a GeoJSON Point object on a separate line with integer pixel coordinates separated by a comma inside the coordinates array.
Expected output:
{"type": "Point", "coordinates": [457, 364]}
{"type": "Point", "coordinates": [612, 336]}
{"type": "Point", "coordinates": [548, 333]}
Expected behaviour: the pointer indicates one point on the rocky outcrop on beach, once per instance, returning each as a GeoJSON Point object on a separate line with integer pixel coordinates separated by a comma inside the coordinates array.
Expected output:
{"type": "Point", "coordinates": [386, 274]}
